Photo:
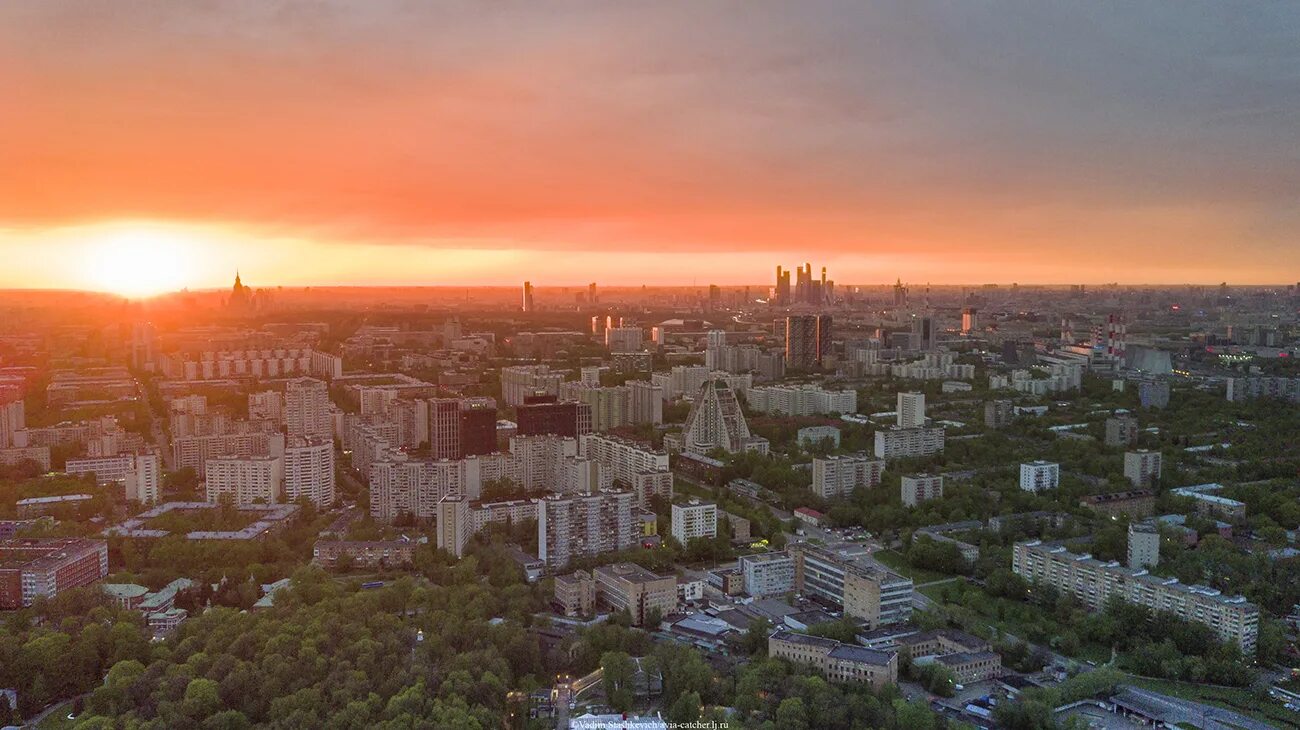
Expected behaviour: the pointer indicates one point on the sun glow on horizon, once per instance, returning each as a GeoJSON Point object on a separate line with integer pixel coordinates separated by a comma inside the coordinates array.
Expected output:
{"type": "Point", "coordinates": [139, 263]}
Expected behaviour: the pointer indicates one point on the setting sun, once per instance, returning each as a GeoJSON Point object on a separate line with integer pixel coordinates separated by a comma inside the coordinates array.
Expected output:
{"type": "Point", "coordinates": [140, 263]}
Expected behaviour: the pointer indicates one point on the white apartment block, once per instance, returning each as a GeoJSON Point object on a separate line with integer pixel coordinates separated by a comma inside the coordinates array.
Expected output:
{"type": "Point", "coordinates": [896, 442]}
{"type": "Point", "coordinates": [1143, 545]}
{"type": "Point", "coordinates": [910, 412]}
{"type": "Point", "coordinates": [838, 476]}
{"type": "Point", "coordinates": [1232, 618]}
{"type": "Point", "coordinates": [623, 339]}
{"type": "Point", "coordinates": [401, 485]}
{"type": "Point", "coordinates": [267, 406]}
{"type": "Point", "coordinates": [245, 480]}
{"type": "Point", "coordinates": [585, 525]}
{"type": "Point", "coordinates": [139, 474]}
{"type": "Point", "coordinates": [767, 574]}
{"type": "Point", "coordinates": [13, 416]}
{"type": "Point", "coordinates": [454, 528]}
{"type": "Point", "coordinates": [195, 451]}
{"type": "Point", "coordinates": [801, 400]}
{"type": "Point", "coordinates": [1142, 467]}
{"type": "Point", "coordinates": [683, 381]}
{"type": "Point", "coordinates": [309, 472]}
{"type": "Point", "coordinates": [918, 488]}
{"type": "Point", "coordinates": [693, 520]}
{"type": "Point", "coordinates": [307, 409]}
{"type": "Point", "coordinates": [611, 406]}
{"type": "Point", "coordinates": [647, 401]}
{"type": "Point", "coordinates": [1037, 476]}
{"type": "Point", "coordinates": [521, 381]}
{"type": "Point", "coordinates": [274, 363]}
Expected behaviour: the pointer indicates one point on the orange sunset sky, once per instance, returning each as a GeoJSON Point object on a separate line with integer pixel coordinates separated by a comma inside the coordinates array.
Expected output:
{"type": "Point", "coordinates": [147, 146]}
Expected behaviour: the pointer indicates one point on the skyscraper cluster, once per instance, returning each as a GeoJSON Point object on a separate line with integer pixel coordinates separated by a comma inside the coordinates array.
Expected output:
{"type": "Point", "coordinates": [807, 290]}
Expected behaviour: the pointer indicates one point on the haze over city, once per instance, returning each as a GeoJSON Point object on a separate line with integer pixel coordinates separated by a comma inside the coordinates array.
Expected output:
{"type": "Point", "coordinates": [920, 365]}
{"type": "Point", "coordinates": [158, 145]}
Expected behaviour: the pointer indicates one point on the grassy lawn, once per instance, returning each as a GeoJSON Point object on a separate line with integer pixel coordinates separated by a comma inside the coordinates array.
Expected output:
{"type": "Point", "coordinates": [1242, 700]}
{"type": "Point", "coordinates": [895, 561]}
{"type": "Point", "coordinates": [58, 720]}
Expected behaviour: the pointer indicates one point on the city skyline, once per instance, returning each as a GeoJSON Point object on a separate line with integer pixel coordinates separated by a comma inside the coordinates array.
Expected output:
{"type": "Point", "coordinates": [646, 144]}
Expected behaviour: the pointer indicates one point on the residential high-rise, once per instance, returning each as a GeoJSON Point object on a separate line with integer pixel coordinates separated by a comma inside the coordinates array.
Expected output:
{"type": "Point", "coordinates": [267, 406]}
{"type": "Point", "coordinates": [519, 382]}
{"type": "Point", "coordinates": [716, 422]}
{"type": "Point", "coordinates": [12, 414]}
{"type": "Point", "coordinates": [1037, 476]}
{"type": "Point", "coordinates": [807, 340]}
{"type": "Point", "coordinates": [245, 480]}
{"type": "Point", "coordinates": [969, 321]}
{"type": "Point", "coordinates": [999, 413]}
{"type": "Point", "coordinates": [1153, 393]}
{"type": "Point", "coordinates": [838, 476]}
{"type": "Point", "coordinates": [307, 409]}
{"type": "Point", "coordinates": [528, 305]}
{"type": "Point", "coordinates": [623, 339]}
{"type": "Point", "coordinates": [1143, 545]}
{"type": "Point", "coordinates": [309, 471]}
{"type": "Point", "coordinates": [454, 528]}
{"type": "Point", "coordinates": [140, 474]}
{"type": "Point", "coordinates": [693, 520]}
{"type": "Point", "coordinates": [647, 402]}
{"type": "Point", "coordinates": [918, 488]}
{"type": "Point", "coordinates": [630, 464]}
{"type": "Point", "coordinates": [897, 442]}
{"type": "Point", "coordinates": [911, 410]}
{"type": "Point", "coordinates": [1142, 467]}
{"type": "Point", "coordinates": [1121, 431]}
{"type": "Point", "coordinates": [585, 525]}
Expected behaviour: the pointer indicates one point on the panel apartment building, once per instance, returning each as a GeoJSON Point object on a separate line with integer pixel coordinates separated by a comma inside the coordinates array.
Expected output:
{"type": "Point", "coordinates": [838, 476]}
{"type": "Point", "coordinates": [1232, 618]}
{"type": "Point", "coordinates": [583, 525]}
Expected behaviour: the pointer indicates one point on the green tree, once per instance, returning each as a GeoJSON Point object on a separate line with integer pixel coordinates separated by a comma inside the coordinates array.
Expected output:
{"type": "Point", "coordinates": [685, 709]}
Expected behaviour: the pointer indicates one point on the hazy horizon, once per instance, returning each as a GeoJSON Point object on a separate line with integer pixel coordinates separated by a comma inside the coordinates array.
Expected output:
{"type": "Point", "coordinates": [160, 145]}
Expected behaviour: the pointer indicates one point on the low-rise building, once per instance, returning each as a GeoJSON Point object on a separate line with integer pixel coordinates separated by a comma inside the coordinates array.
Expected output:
{"type": "Point", "coordinates": [575, 593]}
{"type": "Point", "coordinates": [628, 586]}
{"type": "Point", "coordinates": [1137, 503]}
{"type": "Point", "coordinates": [364, 553]}
{"type": "Point", "coordinates": [970, 667]}
{"type": "Point", "coordinates": [848, 579]}
{"type": "Point", "coordinates": [42, 568]}
{"type": "Point", "coordinates": [845, 663]}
